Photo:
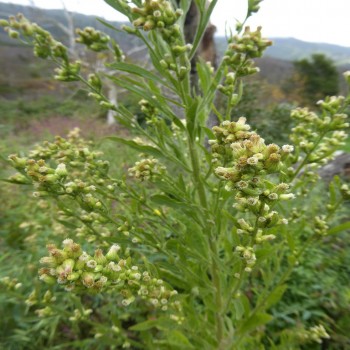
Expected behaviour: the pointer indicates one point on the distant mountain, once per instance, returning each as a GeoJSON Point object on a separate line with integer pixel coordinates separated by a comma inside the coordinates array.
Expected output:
{"type": "Point", "coordinates": [288, 49]}
{"type": "Point", "coordinates": [53, 20]}
{"type": "Point", "coordinates": [293, 49]}
{"type": "Point", "coordinates": [19, 65]}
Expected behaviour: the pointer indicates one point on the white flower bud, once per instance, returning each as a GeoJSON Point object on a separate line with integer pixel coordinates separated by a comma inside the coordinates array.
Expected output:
{"type": "Point", "coordinates": [61, 170]}
{"type": "Point", "coordinates": [287, 148]}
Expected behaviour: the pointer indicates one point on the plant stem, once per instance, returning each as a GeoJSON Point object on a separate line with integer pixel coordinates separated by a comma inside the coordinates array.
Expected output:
{"type": "Point", "coordinates": [215, 272]}
{"type": "Point", "coordinates": [305, 160]}
{"type": "Point", "coordinates": [196, 173]}
{"type": "Point", "coordinates": [214, 268]}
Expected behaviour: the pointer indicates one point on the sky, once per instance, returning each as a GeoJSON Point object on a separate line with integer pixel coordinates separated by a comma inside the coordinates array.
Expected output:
{"type": "Point", "coordinates": [325, 21]}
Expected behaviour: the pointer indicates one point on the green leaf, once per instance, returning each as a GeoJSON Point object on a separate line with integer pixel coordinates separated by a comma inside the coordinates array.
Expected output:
{"type": "Point", "coordinates": [161, 323]}
{"type": "Point", "coordinates": [332, 193]}
{"type": "Point", "coordinates": [238, 305]}
{"type": "Point", "coordinates": [203, 22]}
{"type": "Point", "coordinates": [179, 124]}
{"type": "Point", "coordinates": [174, 278]}
{"type": "Point", "coordinates": [264, 253]}
{"type": "Point", "coordinates": [290, 238]}
{"type": "Point", "coordinates": [185, 6]}
{"type": "Point", "coordinates": [144, 326]}
{"type": "Point", "coordinates": [142, 148]}
{"type": "Point", "coordinates": [254, 322]}
{"type": "Point", "coordinates": [67, 224]}
{"type": "Point", "coordinates": [110, 26]}
{"type": "Point", "coordinates": [139, 71]}
{"type": "Point", "coordinates": [117, 6]}
{"type": "Point", "coordinates": [16, 182]}
{"type": "Point", "coordinates": [242, 306]}
{"type": "Point", "coordinates": [179, 340]}
{"type": "Point", "coordinates": [172, 191]}
{"type": "Point", "coordinates": [143, 91]}
{"type": "Point", "coordinates": [339, 228]}
{"type": "Point", "coordinates": [208, 132]}
{"type": "Point", "coordinates": [165, 200]}
{"type": "Point", "coordinates": [181, 183]}
{"type": "Point", "coordinates": [191, 117]}
{"type": "Point", "coordinates": [204, 76]}
{"type": "Point", "coordinates": [275, 296]}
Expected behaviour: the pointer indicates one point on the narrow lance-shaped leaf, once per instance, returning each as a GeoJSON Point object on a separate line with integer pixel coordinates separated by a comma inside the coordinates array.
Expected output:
{"type": "Point", "coordinates": [142, 148]}
{"type": "Point", "coordinates": [342, 227]}
{"type": "Point", "coordinates": [139, 71]}
{"type": "Point", "coordinates": [203, 22]}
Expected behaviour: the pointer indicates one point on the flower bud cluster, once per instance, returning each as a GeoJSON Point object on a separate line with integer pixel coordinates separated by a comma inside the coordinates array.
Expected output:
{"type": "Point", "coordinates": [125, 228]}
{"type": "Point", "coordinates": [76, 270]}
{"type": "Point", "coordinates": [74, 175]}
{"type": "Point", "coordinates": [229, 88]}
{"type": "Point", "coordinates": [44, 45]}
{"type": "Point", "coordinates": [241, 51]}
{"type": "Point", "coordinates": [317, 333]}
{"type": "Point", "coordinates": [151, 112]}
{"type": "Point", "coordinates": [313, 334]}
{"type": "Point", "coordinates": [118, 52]}
{"type": "Point", "coordinates": [248, 255]}
{"type": "Point", "coordinates": [309, 133]}
{"type": "Point", "coordinates": [180, 134]}
{"type": "Point", "coordinates": [70, 171]}
{"type": "Point", "coordinates": [320, 225]}
{"type": "Point", "coordinates": [147, 169]}
{"type": "Point", "coordinates": [44, 312]}
{"type": "Point", "coordinates": [345, 191]}
{"type": "Point", "coordinates": [69, 161]}
{"type": "Point", "coordinates": [160, 15]}
{"type": "Point", "coordinates": [80, 315]}
{"type": "Point", "coordinates": [155, 14]}
{"type": "Point", "coordinates": [95, 81]}
{"type": "Point", "coordinates": [94, 39]}
{"type": "Point", "coordinates": [248, 152]}
{"type": "Point", "coordinates": [45, 303]}
{"type": "Point", "coordinates": [68, 72]}
{"type": "Point", "coordinates": [249, 164]}
{"type": "Point", "coordinates": [170, 63]}
{"type": "Point", "coordinates": [32, 299]}
{"type": "Point", "coordinates": [10, 284]}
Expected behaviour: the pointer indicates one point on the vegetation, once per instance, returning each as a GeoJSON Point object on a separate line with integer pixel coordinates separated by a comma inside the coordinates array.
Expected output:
{"type": "Point", "coordinates": [315, 78]}
{"type": "Point", "coordinates": [210, 238]}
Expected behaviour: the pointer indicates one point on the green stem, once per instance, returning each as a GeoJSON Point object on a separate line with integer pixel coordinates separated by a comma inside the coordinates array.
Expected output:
{"type": "Point", "coordinates": [196, 173]}
{"type": "Point", "coordinates": [214, 268]}
{"type": "Point", "coordinates": [215, 273]}
{"type": "Point", "coordinates": [305, 160]}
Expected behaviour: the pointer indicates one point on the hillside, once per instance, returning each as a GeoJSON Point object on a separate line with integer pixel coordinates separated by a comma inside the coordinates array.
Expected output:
{"type": "Point", "coordinates": [294, 49]}
{"type": "Point", "coordinates": [53, 20]}
{"type": "Point", "coordinates": [289, 49]}
{"type": "Point", "coordinates": [21, 71]}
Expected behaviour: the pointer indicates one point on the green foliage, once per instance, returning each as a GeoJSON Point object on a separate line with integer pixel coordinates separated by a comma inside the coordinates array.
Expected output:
{"type": "Point", "coordinates": [192, 246]}
{"type": "Point", "coordinates": [270, 119]}
{"type": "Point", "coordinates": [318, 76]}
{"type": "Point", "coordinates": [19, 113]}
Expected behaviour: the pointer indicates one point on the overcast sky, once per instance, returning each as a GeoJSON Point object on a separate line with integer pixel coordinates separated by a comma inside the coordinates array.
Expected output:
{"type": "Point", "coordinates": [310, 20]}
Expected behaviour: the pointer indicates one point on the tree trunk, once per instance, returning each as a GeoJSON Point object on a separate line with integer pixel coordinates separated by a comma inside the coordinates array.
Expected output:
{"type": "Point", "coordinates": [207, 49]}
{"type": "Point", "coordinates": [112, 97]}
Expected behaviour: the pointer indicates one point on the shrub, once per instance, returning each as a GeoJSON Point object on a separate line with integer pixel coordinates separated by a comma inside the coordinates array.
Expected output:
{"type": "Point", "coordinates": [194, 247]}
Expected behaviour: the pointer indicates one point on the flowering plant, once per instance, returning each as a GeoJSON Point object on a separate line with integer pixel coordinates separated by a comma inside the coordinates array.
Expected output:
{"type": "Point", "coordinates": [204, 232]}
